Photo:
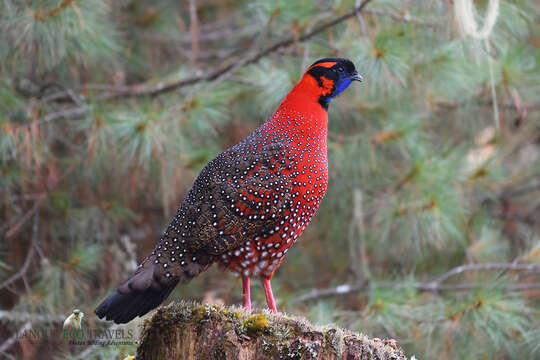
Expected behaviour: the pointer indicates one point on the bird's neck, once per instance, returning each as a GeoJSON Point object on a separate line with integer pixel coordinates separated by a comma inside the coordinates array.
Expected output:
{"type": "Point", "coordinates": [301, 108]}
{"type": "Point", "coordinates": [306, 96]}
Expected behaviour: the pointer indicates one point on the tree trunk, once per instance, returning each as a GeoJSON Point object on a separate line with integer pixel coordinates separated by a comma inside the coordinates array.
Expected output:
{"type": "Point", "coordinates": [192, 331]}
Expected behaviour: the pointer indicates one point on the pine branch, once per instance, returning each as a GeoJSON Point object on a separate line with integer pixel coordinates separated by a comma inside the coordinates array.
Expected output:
{"type": "Point", "coordinates": [522, 189]}
{"type": "Point", "coordinates": [17, 316]}
{"type": "Point", "coordinates": [534, 106]}
{"type": "Point", "coordinates": [15, 228]}
{"type": "Point", "coordinates": [486, 266]}
{"type": "Point", "coordinates": [67, 113]}
{"type": "Point", "coordinates": [435, 285]}
{"type": "Point", "coordinates": [41, 15]}
{"type": "Point", "coordinates": [194, 30]}
{"type": "Point", "coordinates": [24, 269]}
{"type": "Point", "coordinates": [119, 92]}
{"type": "Point", "coordinates": [11, 340]}
{"type": "Point", "coordinates": [407, 18]}
{"type": "Point", "coordinates": [465, 287]}
{"type": "Point", "coordinates": [40, 198]}
{"type": "Point", "coordinates": [334, 291]}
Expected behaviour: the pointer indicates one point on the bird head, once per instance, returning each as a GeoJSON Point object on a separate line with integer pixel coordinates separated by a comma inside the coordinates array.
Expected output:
{"type": "Point", "coordinates": [74, 319]}
{"type": "Point", "coordinates": [332, 76]}
{"type": "Point", "coordinates": [77, 317]}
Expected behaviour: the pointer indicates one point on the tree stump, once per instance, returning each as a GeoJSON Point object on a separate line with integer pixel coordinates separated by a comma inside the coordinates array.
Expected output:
{"type": "Point", "coordinates": [193, 331]}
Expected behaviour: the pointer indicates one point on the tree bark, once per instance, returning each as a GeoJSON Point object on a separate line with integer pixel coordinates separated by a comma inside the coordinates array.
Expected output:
{"type": "Point", "coordinates": [193, 331]}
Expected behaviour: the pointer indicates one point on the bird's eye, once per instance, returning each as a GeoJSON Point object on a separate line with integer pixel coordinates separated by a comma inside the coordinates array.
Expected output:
{"type": "Point", "coordinates": [340, 69]}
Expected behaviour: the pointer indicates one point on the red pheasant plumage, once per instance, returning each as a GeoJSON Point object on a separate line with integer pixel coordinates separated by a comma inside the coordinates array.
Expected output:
{"type": "Point", "coordinates": [249, 204]}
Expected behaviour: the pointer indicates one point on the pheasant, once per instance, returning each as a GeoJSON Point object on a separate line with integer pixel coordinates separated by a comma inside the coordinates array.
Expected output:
{"type": "Point", "coordinates": [248, 205]}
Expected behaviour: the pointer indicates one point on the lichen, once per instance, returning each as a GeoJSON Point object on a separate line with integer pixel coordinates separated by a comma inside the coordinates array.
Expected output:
{"type": "Point", "coordinates": [198, 313]}
{"type": "Point", "coordinates": [256, 324]}
{"type": "Point", "coordinates": [231, 314]}
{"type": "Point", "coordinates": [333, 341]}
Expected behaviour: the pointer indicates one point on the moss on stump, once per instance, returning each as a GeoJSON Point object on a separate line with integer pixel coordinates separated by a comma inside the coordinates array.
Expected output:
{"type": "Point", "coordinates": [193, 331]}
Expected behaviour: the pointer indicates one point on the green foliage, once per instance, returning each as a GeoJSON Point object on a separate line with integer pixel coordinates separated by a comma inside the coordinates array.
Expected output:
{"type": "Point", "coordinates": [44, 35]}
{"type": "Point", "coordinates": [270, 88]}
{"type": "Point", "coordinates": [284, 15]}
{"type": "Point", "coordinates": [421, 178]}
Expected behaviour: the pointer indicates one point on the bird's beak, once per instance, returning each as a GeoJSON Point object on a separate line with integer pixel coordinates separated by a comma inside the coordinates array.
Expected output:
{"type": "Point", "coordinates": [356, 77]}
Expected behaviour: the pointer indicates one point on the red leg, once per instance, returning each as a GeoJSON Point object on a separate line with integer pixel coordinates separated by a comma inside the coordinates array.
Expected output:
{"type": "Point", "coordinates": [246, 297]}
{"type": "Point", "coordinates": [269, 297]}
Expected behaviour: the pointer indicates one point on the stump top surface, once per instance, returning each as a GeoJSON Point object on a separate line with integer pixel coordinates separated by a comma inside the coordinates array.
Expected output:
{"type": "Point", "coordinates": [185, 330]}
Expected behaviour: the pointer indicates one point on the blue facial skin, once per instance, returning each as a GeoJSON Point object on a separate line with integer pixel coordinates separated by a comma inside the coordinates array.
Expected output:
{"type": "Point", "coordinates": [341, 85]}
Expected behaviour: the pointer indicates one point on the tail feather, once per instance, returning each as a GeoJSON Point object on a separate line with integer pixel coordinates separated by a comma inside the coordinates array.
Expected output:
{"type": "Point", "coordinates": [122, 308]}
{"type": "Point", "coordinates": [142, 292]}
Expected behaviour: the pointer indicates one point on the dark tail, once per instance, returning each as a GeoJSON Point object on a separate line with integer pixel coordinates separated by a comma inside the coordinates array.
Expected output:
{"type": "Point", "coordinates": [142, 292]}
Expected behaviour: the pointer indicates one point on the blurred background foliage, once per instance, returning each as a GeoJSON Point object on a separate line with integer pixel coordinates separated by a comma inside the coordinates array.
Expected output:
{"type": "Point", "coordinates": [429, 232]}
